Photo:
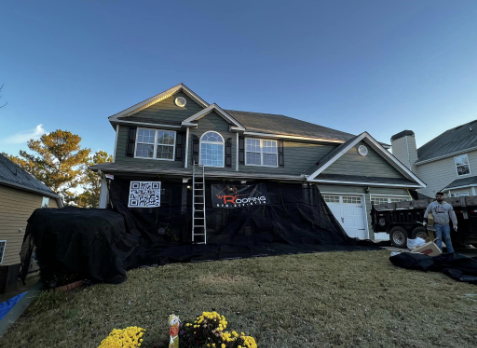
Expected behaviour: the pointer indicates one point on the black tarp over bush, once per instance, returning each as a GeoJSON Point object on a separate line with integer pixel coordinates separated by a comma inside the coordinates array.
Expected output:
{"type": "Point", "coordinates": [93, 242]}
{"type": "Point", "coordinates": [104, 243]}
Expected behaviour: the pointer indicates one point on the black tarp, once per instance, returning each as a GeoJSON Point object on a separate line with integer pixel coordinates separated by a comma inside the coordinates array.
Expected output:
{"type": "Point", "coordinates": [105, 243]}
{"type": "Point", "coordinates": [459, 267]}
{"type": "Point", "coordinates": [93, 242]}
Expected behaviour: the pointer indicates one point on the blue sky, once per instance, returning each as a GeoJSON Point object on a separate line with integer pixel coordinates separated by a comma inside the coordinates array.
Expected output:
{"type": "Point", "coordinates": [376, 66]}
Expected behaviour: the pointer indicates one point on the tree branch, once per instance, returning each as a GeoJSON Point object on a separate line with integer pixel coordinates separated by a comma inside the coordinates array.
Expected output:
{"type": "Point", "coordinates": [1, 97]}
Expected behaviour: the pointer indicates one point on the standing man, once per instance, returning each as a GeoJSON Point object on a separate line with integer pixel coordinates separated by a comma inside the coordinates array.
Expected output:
{"type": "Point", "coordinates": [442, 211]}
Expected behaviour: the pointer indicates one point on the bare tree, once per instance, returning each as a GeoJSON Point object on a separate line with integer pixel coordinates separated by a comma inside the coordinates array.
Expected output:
{"type": "Point", "coordinates": [1, 97]}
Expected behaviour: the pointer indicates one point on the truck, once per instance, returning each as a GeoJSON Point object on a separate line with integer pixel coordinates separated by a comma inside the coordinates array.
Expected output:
{"type": "Point", "coordinates": [403, 220]}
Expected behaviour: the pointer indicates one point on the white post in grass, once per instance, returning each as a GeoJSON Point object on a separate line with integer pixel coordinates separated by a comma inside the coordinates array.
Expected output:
{"type": "Point", "coordinates": [103, 195]}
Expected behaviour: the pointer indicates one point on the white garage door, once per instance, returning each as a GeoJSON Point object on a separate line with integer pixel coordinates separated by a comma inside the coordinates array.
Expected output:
{"type": "Point", "coordinates": [348, 210]}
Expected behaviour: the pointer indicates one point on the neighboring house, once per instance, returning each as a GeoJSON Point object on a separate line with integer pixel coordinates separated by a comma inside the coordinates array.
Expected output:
{"type": "Point", "coordinates": [447, 163]}
{"type": "Point", "coordinates": [165, 134]}
{"type": "Point", "coordinates": [20, 195]}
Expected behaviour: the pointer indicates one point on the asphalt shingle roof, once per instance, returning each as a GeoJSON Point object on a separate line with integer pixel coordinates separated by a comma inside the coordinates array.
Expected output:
{"type": "Point", "coordinates": [285, 125]}
{"type": "Point", "coordinates": [461, 182]}
{"type": "Point", "coordinates": [451, 141]}
{"type": "Point", "coordinates": [13, 175]}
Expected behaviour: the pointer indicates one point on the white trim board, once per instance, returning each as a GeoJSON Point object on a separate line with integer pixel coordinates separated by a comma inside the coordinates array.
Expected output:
{"type": "Point", "coordinates": [148, 124]}
{"type": "Point", "coordinates": [378, 148]}
{"type": "Point", "coordinates": [115, 143]}
{"type": "Point", "coordinates": [157, 98]}
{"type": "Point", "coordinates": [214, 107]}
{"type": "Point", "coordinates": [357, 183]}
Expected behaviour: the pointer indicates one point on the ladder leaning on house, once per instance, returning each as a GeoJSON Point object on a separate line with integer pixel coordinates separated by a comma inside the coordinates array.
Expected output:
{"type": "Point", "coordinates": [199, 225]}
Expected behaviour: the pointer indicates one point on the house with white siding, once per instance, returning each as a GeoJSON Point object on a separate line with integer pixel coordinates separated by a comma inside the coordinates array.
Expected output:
{"type": "Point", "coordinates": [447, 163]}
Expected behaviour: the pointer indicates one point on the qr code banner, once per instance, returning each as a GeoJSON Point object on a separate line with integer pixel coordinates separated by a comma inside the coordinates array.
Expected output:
{"type": "Point", "coordinates": [144, 194]}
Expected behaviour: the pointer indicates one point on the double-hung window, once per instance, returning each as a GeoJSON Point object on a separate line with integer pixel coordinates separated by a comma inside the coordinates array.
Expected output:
{"type": "Point", "coordinates": [462, 165]}
{"type": "Point", "coordinates": [155, 143]}
{"type": "Point", "coordinates": [260, 152]}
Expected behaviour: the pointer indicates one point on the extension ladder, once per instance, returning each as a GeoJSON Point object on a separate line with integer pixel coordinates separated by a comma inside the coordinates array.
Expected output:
{"type": "Point", "coordinates": [199, 227]}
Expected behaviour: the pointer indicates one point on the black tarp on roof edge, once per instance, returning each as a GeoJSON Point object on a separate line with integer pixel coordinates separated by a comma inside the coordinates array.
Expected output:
{"type": "Point", "coordinates": [104, 243]}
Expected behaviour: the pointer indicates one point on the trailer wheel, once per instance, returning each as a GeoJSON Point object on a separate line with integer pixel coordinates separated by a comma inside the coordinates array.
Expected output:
{"type": "Point", "coordinates": [419, 232]}
{"type": "Point", "coordinates": [398, 236]}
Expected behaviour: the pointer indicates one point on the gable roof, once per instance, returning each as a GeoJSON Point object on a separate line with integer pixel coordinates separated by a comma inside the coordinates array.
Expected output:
{"type": "Point", "coordinates": [157, 98]}
{"type": "Point", "coordinates": [12, 175]}
{"type": "Point", "coordinates": [217, 109]}
{"type": "Point", "coordinates": [332, 157]}
{"type": "Point", "coordinates": [452, 142]}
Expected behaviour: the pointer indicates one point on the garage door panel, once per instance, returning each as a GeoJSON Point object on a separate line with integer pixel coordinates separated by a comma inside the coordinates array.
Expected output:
{"type": "Point", "coordinates": [348, 210]}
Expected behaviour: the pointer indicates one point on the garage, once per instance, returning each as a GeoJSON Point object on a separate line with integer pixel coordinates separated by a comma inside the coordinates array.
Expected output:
{"type": "Point", "coordinates": [349, 211]}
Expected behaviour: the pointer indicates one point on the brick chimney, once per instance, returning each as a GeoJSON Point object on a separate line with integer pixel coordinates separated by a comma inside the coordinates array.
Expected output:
{"type": "Point", "coordinates": [403, 146]}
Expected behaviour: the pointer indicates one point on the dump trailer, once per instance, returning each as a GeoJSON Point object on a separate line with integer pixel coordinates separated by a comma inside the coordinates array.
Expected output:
{"type": "Point", "coordinates": [404, 220]}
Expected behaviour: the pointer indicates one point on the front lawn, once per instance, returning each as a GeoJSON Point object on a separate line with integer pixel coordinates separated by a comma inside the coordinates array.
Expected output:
{"type": "Point", "coordinates": [350, 299]}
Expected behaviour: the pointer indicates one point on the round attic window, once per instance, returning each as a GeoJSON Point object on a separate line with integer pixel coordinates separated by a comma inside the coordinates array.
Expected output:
{"type": "Point", "coordinates": [181, 102]}
{"type": "Point", "coordinates": [363, 150]}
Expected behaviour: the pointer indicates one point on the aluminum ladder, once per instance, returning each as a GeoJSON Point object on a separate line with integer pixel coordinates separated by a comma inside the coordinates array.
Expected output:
{"type": "Point", "coordinates": [199, 225]}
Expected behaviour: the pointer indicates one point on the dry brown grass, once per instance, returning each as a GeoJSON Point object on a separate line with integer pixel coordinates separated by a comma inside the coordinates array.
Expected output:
{"type": "Point", "coordinates": [343, 299]}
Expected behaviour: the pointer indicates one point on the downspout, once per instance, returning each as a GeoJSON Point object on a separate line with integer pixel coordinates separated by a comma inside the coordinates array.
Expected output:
{"type": "Point", "coordinates": [237, 148]}
{"type": "Point", "coordinates": [187, 148]}
{"type": "Point", "coordinates": [116, 143]}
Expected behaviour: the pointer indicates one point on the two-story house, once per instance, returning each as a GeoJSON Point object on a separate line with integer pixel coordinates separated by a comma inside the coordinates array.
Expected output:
{"type": "Point", "coordinates": [447, 163]}
{"type": "Point", "coordinates": [163, 136]}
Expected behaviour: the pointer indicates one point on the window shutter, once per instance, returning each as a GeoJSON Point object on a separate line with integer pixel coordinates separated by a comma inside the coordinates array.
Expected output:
{"type": "Point", "coordinates": [228, 152]}
{"type": "Point", "coordinates": [195, 149]}
{"type": "Point", "coordinates": [131, 142]}
{"type": "Point", "coordinates": [241, 150]}
{"type": "Point", "coordinates": [281, 157]}
{"type": "Point", "coordinates": [179, 146]}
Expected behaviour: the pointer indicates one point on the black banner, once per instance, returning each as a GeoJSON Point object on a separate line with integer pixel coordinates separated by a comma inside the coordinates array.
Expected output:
{"type": "Point", "coordinates": [238, 196]}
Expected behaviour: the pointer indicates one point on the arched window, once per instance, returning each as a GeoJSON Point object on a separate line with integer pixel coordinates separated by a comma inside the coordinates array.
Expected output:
{"type": "Point", "coordinates": [212, 150]}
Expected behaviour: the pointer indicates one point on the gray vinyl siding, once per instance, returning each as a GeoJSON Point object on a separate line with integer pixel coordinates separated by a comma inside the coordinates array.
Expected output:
{"type": "Point", "coordinates": [361, 190]}
{"type": "Point", "coordinates": [214, 122]}
{"type": "Point", "coordinates": [439, 174]}
{"type": "Point", "coordinates": [121, 156]}
{"type": "Point", "coordinates": [373, 164]}
{"type": "Point", "coordinates": [297, 158]}
{"type": "Point", "coordinates": [167, 110]}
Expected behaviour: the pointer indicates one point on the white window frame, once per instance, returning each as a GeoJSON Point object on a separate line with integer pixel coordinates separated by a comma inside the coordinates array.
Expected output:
{"type": "Point", "coordinates": [389, 197]}
{"type": "Point", "coordinates": [156, 144]}
{"type": "Point", "coordinates": [4, 250]}
{"type": "Point", "coordinates": [210, 142]}
{"type": "Point", "coordinates": [468, 161]}
{"type": "Point", "coordinates": [261, 152]}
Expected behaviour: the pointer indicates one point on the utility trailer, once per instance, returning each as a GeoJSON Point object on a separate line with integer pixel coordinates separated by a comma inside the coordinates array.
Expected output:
{"type": "Point", "coordinates": [403, 220]}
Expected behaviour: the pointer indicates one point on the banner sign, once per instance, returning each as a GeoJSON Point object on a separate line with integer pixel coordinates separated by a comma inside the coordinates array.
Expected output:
{"type": "Point", "coordinates": [239, 196]}
{"type": "Point", "coordinates": [144, 194]}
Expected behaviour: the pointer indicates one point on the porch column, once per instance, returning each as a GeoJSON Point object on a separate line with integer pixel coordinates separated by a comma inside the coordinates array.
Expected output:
{"type": "Point", "coordinates": [103, 195]}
